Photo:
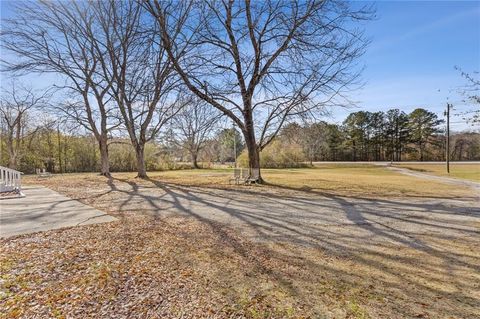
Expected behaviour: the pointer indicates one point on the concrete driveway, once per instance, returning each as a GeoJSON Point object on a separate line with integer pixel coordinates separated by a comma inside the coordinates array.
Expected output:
{"type": "Point", "coordinates": [43, 209]}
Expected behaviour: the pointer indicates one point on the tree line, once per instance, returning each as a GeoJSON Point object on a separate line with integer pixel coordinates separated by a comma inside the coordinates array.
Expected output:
{"type": "Point", "coordinates": [46, 143]}
{"type": "Point", "coordinates": [195, 140]}
{"type": "Point", "coordinates": [371, 136]}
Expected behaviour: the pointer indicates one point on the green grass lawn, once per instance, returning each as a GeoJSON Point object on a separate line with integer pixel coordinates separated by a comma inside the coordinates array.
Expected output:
{"type": "Point", "coordinates": [463, 171]}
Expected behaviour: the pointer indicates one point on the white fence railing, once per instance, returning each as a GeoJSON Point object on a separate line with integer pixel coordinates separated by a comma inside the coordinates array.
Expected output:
{"type": "Point", "coordinates": [10, 180]}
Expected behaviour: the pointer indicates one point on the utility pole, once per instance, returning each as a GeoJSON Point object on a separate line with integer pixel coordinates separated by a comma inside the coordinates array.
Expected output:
{"type": "Point", "coordinates": [234, 144]}
{"type": "Point", "coordinates": [447, 148]}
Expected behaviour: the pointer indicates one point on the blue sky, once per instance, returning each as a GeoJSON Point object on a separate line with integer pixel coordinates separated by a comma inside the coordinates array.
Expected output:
{"type": "Point", "coordinates": [415, 46]}
{"type": "Point", "coordinates": [410, 62]}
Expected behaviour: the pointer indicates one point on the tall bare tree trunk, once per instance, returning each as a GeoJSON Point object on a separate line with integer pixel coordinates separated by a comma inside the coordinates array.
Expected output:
{"type": "Point", "coordinates": [59, 142]}
{"type": "Point", "coordinates": [12, 163]}
{"type": "Point", "coordinates": [253, 154]}
{"type": "Point", "coordinates": [12, 154]}
{"type": "Point", "coordinates": [251, 142]}
{"type": "Point", "coordinates": [141, 167]}
{"type": "Point", "coordinates": [195, 160]}
{"type": "Point", "coordinates": [105, 165]}
{"type": "Point", "coordinates": [65, 153]}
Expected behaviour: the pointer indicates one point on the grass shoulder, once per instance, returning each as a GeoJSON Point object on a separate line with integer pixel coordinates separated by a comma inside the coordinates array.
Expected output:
{"type": "Point", "coordinates": [467, 171]}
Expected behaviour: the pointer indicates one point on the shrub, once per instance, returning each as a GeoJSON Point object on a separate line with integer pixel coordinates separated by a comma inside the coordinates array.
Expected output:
{"type": "Point", "coordinates": [278, 155]}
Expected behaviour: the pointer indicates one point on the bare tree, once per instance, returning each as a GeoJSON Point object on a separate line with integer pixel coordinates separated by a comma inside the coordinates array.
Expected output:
{"type": "Point", "coordinates": [314, 139]}
{"type": "Point", "coordinates": [15, 103]}
{"type": "Point", "coordinates": [471, 92]}
{"type": "Point", "coordinates": [263, 62]}
{"type": "Point", "coordinates": [193, 126]}
{"type": "Point", "coordinates": [60, 37]}
{"type": "Point", "coordinates": [143, 82]}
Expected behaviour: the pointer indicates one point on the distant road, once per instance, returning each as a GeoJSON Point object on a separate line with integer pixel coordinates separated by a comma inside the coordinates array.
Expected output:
{"type": "Point", "coordinates": [445, 179]}
{"type": "Point", "coordinates": [389, 162]}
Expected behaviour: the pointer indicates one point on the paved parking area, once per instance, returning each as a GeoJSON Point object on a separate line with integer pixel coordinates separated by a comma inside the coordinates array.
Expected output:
{"type": "Point", "coordinates": [43, 209]}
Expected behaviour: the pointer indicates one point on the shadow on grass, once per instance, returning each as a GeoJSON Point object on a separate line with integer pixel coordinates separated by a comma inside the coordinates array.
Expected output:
{"type": "Point", "coordinates": [402, 244]}
{"type": "Point", "coordinates": [410, 251]}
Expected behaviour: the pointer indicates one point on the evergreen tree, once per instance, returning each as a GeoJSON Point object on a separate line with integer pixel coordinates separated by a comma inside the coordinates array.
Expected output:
{"type": "Point", "coordinates": [396, 133]}
{"type": "Point", "coordinates": [377, 139]}
{"type": "Point", "coordinates": [422, 126]}
{"type": "Point", "coordinates": [356, 127]}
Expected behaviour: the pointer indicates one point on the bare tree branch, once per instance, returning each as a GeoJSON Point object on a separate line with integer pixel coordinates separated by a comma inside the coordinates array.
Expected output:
{"type": "Point", "coordinates": [265, 62]}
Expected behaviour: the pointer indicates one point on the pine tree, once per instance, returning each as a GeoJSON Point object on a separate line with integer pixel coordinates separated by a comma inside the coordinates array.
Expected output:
{"type": "Point", "coordinates": [422, 126]}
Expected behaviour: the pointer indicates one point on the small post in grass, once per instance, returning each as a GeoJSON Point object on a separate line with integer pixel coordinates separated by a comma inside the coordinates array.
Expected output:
{"type": "Point", "coordinates": [447, 148]}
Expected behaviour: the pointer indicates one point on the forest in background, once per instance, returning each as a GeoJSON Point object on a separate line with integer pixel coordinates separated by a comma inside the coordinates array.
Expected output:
{"type": "Point", "coordinates": [363, 136]}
